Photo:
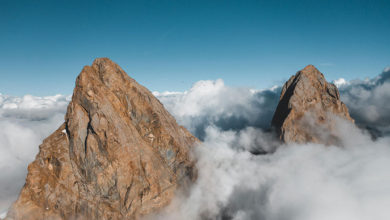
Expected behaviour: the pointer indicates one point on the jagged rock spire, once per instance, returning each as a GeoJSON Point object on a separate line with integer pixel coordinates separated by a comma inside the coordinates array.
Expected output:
{"type": "Point", "coordinates": [307, 108]}
{"type": "Point", "coordinates": [119, 154]}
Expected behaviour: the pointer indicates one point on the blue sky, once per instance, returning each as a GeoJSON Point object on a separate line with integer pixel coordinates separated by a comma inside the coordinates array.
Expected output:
{"type": "Point", "coordinates": [168, 45]}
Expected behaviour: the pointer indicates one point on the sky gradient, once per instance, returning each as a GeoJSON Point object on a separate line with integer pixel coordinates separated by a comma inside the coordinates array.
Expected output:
{"type": "Point", "coordinates": [169, 45]}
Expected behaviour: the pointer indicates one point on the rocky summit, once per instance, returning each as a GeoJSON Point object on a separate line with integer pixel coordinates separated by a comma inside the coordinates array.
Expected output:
{"type": "Point", "coordinates": [308, 109]}
{"type": "Point", "coordinates": [119, 154]}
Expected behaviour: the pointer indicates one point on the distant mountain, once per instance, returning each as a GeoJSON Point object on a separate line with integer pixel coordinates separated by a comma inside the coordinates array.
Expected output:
{"type": "Point", "coordinates": [308, 109]}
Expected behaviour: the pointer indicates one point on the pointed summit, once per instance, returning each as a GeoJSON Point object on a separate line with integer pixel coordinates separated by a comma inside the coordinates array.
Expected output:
{"type": "Point", "coordinates": [119, 154]}
{"type": "Point", "coordinates": [307, 108]}
{"type": "Point", "coordinates": [309, 68]}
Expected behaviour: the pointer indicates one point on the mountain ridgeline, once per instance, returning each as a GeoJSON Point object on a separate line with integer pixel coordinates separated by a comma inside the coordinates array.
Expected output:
{"type": "Point", "coordinates": [121, 155]}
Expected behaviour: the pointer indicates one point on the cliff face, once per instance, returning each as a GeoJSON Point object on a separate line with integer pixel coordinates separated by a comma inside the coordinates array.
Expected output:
{"type": "Point", "coordinates": [119, 154]}
{"type": "Point", "coordinates": [308, 108]}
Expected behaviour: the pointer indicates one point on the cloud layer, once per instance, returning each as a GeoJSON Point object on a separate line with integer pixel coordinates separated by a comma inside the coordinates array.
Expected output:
{"type": "Point", "coordinates": [213, 103]}
{"type": "Point", "coordinates": [293, 182]}
{"type": "Point", "coordinates": [25, 122]}
{"type": "Point", "coordinates": [297, 182]}
{"type": "Point", "coordinates": [368, 102]}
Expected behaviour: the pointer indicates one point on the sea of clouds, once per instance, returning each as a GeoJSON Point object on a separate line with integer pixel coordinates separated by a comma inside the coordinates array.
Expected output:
{"type": "Point", "coordinates": [278, 182]}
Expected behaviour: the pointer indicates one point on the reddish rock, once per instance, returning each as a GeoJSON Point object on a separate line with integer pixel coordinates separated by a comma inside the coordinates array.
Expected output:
{"type": "Point", "coordinates": [119, 154]}
{"type": "Point", "coordinates": [308, 108]}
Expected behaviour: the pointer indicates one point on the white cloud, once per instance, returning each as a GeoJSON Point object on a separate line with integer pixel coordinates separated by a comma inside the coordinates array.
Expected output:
{"type": "Point", "coordinates": [25, 122]}
{"type": "Point", "coordinates": [295, 182]}
{"type": "Point", "coordinates": [340, 82]}
{"type": "Point", "coordinates": [368, 102]}
{"type": "Point", "coordinates": [302, 182]}
{"type": "Point", "coordinates": [213, 103]}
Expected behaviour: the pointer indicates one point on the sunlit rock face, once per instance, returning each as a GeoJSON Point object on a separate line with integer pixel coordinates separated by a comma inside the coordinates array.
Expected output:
{"type": "Point", "coordinates": [119, 154]}
{"type": "Point", "coordinates": [308, 109]}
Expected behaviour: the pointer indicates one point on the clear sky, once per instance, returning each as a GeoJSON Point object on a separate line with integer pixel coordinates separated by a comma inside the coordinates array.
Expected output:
{"type": "Point", "coordinates": [169, 44]}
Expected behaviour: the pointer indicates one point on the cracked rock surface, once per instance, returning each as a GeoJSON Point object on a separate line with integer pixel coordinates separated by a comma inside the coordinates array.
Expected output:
{"type": "Point", "coordinates": [119, 154]}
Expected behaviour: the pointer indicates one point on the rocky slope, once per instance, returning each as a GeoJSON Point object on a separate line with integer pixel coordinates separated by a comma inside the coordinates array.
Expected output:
{"type": "Point", "coordinates": [308, 108]}
{"type": "Point", "coordinates": [119, 154]}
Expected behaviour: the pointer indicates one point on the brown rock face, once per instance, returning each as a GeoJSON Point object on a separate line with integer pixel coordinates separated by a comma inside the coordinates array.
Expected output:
{"type": "Point", "coordinates": [308, 108]}
{"type": "Point", "coordinates": [119, 154]}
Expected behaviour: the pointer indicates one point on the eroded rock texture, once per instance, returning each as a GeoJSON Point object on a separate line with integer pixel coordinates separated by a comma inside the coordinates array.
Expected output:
{"type": "Point", "coordinates": [119, 154]}
{"type": "Point", "coordinates": [308, 109]}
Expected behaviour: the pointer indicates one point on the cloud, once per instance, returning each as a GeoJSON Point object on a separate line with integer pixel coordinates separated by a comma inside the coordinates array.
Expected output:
{"type": "Point", "coordinates": [213, 103]}
{"type": "Point", "coordinates": [25, 122]}
{"type": "Point", "coordinates": [340, 82]}
{"type": "Point", "coordinates": [32, 107]}
{"type": "Point", "coordinates": [308, 181]}
{"type": "Point", "coordinates": [368, 102]}
{"type": "Point", "coordinates": [296, 182]}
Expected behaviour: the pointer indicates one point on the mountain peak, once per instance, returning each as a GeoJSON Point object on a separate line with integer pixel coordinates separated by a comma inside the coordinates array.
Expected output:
{"type": "Point", "coordinates": [119, 154]}
{"type": "Point", "coordinates": [312, 72]}
{"type": "Point", "coordinates": [308, 108]}
{"type": "Point", "coordinates": [102, 60]}
{"type": "Point", "coordinates": [104, 70]}
{"type": "Point", "coordinates": [310, 68]}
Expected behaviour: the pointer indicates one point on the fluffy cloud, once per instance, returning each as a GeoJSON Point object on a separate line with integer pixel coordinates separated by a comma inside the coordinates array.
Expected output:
{"type": "Point", "coordinates": [294, 182]}
{"type": "Point", "coordinates": [302, 182]}
{"type": "Point", "coordinates": [213, 103]}
{"type": "Point", "coordinates": [368, 102]}
{"type": "Point", "coordinates": [25, 122]}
